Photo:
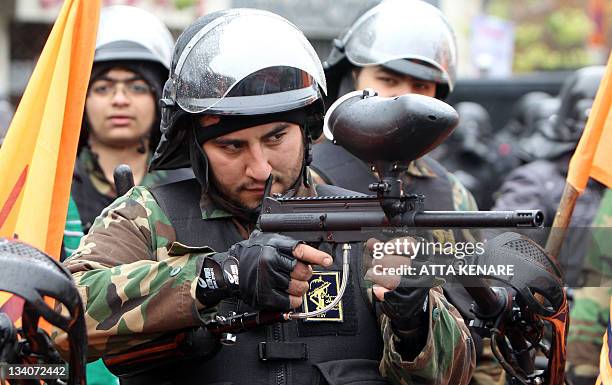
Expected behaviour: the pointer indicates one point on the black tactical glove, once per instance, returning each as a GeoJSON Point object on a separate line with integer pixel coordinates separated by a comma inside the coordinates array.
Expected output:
{"type": "Point", "coordinates": [407, 305]}
{"type": "Point", "coordinates": [408, 310]}
{"type": "Point", "coordinates": [402, 293]}
{"type": "Point", "coordinates": [218, 279]}
{"type": "Point", "coordinates": [266, 263]}
{"type": "Point", "coordinates": [257, 270]}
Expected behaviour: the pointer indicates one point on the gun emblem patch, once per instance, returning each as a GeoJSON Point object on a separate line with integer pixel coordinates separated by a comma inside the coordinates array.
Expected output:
{"type": "Point", "coordinates": [323, 289]}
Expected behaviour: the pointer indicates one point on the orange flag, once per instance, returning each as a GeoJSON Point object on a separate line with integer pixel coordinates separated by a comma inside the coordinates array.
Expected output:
{"type": "Point", "coordinates": [38, 153]}
{"type": "Point", "coordinates": [593, 156]}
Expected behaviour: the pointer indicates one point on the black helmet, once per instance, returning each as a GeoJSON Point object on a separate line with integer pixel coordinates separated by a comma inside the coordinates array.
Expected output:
{"type": "Point", "coordinates": [248, 67]}
{"type": "Point", "coordinates": [134, 39]}
{"type": "Point", "coordinates": [473, 132]}
{"type": "Point", "coordinates": [538, 118]}
{"type": "Point", "coordinates": [517, 126]}
{"type": "Point", "coordinates": [32, 275]}
{"type": "Point", "coordinates": [560, 135]}
{"type": "Point", "coordinates": [407, 36]}
{"type": "Point", "coordinates": [577, 95]}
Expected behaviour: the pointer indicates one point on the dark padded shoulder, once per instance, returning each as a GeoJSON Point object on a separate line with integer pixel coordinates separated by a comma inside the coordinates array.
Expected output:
{"type": "Point", "coordinates": [331, 162]}
{"type": "Point", "coordinates": [181, 203]}
{"type": "Point", "coordinates": [172, 198]}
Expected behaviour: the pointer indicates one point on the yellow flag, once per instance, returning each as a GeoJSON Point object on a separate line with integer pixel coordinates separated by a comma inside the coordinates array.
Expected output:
{"type": "Point", "coordinates": [38, 153]}
{"type": "Point", "coordinates": [593, 156]}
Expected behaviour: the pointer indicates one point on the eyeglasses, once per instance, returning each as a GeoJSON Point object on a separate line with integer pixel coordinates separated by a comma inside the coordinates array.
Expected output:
{"type": "Point", "coordinates": [108, 87]}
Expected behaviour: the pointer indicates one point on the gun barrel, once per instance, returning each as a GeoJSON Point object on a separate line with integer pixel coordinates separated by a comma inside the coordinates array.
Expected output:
{"type": "Point", "coordinates": [516, 218]}
{"type": "Point", "coordinates": [356, 220]}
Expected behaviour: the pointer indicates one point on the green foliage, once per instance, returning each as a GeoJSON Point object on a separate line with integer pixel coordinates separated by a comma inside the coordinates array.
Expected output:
{"type": "Point", "coordinates": [551, 40]}
{"type": "Point", "coordinates": [569, 27]}
{"type": "Point", "coordinates": [181, 4]}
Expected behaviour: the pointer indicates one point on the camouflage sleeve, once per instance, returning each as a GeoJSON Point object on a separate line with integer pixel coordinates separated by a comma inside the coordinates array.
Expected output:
{"type": "Point", "coordinates": [463, 200]}
{"type": "Point", "coordinates": [448, 357]}
{"type": "Point", "coordinates": [132, 287]}
{"type": "Point", "coordinates": [589, 318]}
{"type": "Point", "coordinates": [590, 312]}
{"type": "Point", "coordinates": [488, 371]}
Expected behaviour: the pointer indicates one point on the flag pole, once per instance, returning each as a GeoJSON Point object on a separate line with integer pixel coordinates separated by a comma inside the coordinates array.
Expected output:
{"type": "Point", "coordinates": [581, 166]}
{"type": "Point", "coordinates": [562, 220]}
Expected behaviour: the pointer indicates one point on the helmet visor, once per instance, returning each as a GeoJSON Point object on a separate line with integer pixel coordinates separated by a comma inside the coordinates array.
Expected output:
{"type": "Point", "coordinates": [247, 65]}
{"type": "Point", "coordinates": [397, 30]}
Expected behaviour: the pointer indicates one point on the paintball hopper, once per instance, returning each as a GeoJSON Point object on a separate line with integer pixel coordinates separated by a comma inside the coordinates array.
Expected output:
{"type": "Point", "coordinates": [375, 128]}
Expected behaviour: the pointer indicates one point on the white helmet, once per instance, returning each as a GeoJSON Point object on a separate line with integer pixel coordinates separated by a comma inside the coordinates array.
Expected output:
{"type": "Point", "coordinates": [407, 36]}
{"type": "Point", "coordinates": [130, 33]}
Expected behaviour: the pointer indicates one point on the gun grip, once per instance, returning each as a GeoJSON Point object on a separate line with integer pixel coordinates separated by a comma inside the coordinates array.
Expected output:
{"type": "Point", "coordinates": [124, 179]}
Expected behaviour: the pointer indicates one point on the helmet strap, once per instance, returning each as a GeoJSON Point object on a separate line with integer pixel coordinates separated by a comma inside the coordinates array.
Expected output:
{"type": "Point", "coordinates": [198, 159]}
{"type": "Point", "coordinates": [307, 157]}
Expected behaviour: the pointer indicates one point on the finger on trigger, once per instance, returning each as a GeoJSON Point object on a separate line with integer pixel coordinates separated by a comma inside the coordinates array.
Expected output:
{"type": "Point", "coordinates": [370, 244]}
{"type": "Point", "coordinates": [311, 255]}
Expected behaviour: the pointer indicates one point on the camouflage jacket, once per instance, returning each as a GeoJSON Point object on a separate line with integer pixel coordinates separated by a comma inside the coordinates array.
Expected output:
{"type": "Point", "coordinates": [94, 172]}
{"type": "Point", "coordinates": [136, 285]}
{"type": "Point", "coordinates": [590, 312]}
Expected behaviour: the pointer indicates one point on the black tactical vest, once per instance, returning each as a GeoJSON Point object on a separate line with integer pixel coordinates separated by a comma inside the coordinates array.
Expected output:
{"type": "Point", "coordinates": [90, 202]}
{"type": "Point", "coordinates": [345, 349]}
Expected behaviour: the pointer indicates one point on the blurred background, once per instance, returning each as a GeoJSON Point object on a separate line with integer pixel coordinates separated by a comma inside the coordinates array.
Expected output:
{"type": "Point", "coordinates": [520, 45]}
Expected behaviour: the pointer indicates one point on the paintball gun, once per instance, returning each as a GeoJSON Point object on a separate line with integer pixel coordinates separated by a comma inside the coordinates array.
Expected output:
{"type": "Point", "coordinates": [388, 133]}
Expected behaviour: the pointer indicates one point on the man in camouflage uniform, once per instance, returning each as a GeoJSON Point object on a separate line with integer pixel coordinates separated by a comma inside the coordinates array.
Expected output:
{"type": "Point", "coordinates": [401, 47]}
{"type": "Point", "coordinates": [238, 113]}
{"type": "Point", "coordinates": [590, 313]}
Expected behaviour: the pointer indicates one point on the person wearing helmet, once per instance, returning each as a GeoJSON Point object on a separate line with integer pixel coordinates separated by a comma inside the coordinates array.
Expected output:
{"type": "Point", "coordinates": [467, 152]}
{"type": "Point", "coordinates": [241, 107]}
{"type": "Point", "coordinates": [387, 50]}
{"type": "Point", "coordinates": [540, 183]}
{"type": "Point", "coordinates": [397, 47]}
{"type": "Point", "coordinates": [400, 47]}
{"type": "Point", "coordinates": [121, 118]}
